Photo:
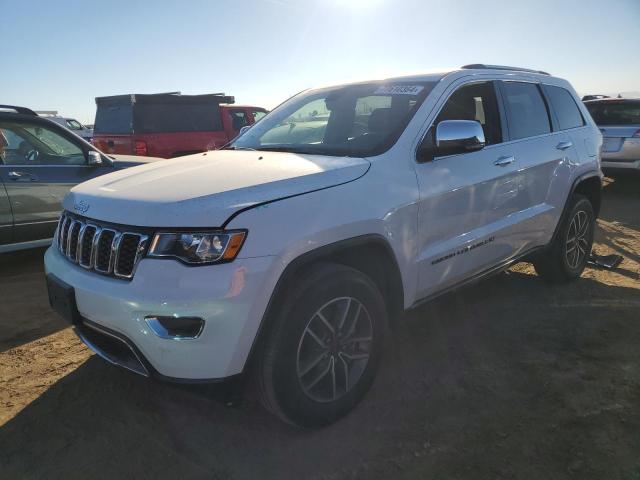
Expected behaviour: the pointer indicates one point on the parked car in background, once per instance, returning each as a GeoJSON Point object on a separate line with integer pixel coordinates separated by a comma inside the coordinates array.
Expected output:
{"type": "Point", "coordinates": [594, 97]}
{"type": "Point", "coordinates": [288, 254]}
{"type": "Point", "coordinates": [619, 122]}
{"type": "Point", "coordinates": [169, 124]}
{"type": "Point", "coordinates": [72, 124]}
{"type": "Point", "coordinates": [40, 161]}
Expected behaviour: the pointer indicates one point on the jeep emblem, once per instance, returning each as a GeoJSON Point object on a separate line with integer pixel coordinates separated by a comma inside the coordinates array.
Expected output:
{"type": "Point", "coordinates": [81, 206]}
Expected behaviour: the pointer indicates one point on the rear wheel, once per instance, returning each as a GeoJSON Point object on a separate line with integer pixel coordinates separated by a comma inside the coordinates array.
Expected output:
{"type": "Point", "coordinates": [567, 256]}
{"type": "Point", "coordinates": [323, 351]}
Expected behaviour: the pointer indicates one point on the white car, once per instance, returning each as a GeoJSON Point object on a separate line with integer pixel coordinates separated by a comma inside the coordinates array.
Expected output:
{"type": "Point", "coordinates": [290, 253]}
{"type": "Point", "coordinates": [69, 123]}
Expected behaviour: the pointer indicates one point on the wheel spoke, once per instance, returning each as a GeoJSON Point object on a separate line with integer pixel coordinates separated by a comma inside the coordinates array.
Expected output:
{"type": "Point", "coordinates": [356, 356]}
{"type": "Point", "coordinates": [353, 340]}
{"type": "Point", "coordinates": [322, 374]}
{"type": "Point", "coordinates": [354, 323]}
{"type": "Point", "coordinates": [571, 240]}
{"type": "Point", "coordinates": [326, 323]}
{"type": "Point", "coordinates": [333, 377]}
{"type": "Point", "coordinates": [582, 231]}
{"type": "Point", "coordinates": [346, 371]}
{"type": "Point", "coordinates": [344, 314]}
{"type": "Point", "coordinates": [316, 338]}
{"type": "Point", "coordinates": [313, 364]}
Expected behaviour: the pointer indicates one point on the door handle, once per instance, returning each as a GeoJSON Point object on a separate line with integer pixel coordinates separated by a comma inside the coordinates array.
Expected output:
{"type": "Point", "coordinates": [22, 176]}
{"type": "Point", "coordinates": [504, 161]}
{"type": "Point", "coordinates": [564, 145]}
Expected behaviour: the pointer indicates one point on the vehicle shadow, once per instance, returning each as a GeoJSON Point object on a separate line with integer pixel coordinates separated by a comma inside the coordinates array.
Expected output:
{"type": "Point", "coordinates": [25, 314]}
{"type": "Point", "coordinates": [619, 225]}
{"type": "Point", "coordinates": [479, 383]}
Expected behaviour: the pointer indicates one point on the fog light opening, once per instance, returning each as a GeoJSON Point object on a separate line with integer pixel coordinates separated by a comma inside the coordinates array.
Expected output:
{"type": "Point", "coordinates": [175, 328]}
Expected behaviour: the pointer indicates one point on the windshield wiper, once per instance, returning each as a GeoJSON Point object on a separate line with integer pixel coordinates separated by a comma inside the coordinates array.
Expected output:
{"type": "Point", "coordinates": [233, 147]}
{"type": "Point", "coordinates": [284, 148]}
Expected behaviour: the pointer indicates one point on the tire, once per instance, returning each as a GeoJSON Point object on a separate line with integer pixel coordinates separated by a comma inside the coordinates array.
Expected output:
{"type": "Point", "coordinates": [567, 256]}
{"type": "Point", "coordinates": [306, 375]}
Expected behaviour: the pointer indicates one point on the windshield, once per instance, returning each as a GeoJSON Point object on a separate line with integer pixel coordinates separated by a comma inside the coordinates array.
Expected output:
{"type": "Point", "coordinates": [618, 113]}
{"type": "Point", "coordinates": [351, 120]}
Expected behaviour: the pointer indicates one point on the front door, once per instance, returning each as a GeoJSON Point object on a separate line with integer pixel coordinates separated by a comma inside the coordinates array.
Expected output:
{"type": "Point", "coordinates": [466, 200]}
{"type": "Point", "coordinates": [41, 163]}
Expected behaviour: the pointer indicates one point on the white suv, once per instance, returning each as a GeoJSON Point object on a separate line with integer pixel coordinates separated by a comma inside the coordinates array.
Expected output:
{"type": "Point", "coordinates": [290, 253]}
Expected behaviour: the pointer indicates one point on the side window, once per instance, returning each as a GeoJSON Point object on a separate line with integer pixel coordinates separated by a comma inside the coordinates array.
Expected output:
{"type": "Point", "coordinates": [258, 114]}
{"type": "Point", "coordinates": [238, 119]}
{"type": "Point", "coordinates": [565, 107]}
{"type": "Point", "coordinates": [526, 110]}
{"type": "Point", "coordinates": [476, 101]}
{"type": "Point", "coordinates": [30, 144]}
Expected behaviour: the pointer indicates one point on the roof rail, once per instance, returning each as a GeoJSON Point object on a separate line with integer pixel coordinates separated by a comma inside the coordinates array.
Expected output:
{"type": "Point", "coordinates": [49, 113]}
{"type": "Point", "coordinates": [482, 66]}
{"type": "Point", "coordinates": [23, 110]}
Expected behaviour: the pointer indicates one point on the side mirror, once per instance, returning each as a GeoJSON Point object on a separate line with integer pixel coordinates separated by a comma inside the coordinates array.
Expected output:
{"type": "Point", "coordinates": [458, 136]}
{"type": "Point", "coordinates": [94, 159]}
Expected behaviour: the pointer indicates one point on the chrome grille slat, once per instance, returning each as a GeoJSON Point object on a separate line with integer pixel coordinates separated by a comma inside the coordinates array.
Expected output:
{"type": "Point", "coordinates": [86, 236]}
{"type": "Point", "coordinates": [105, 248]}
{"type": "Point", "coordinates": [102, 249]}
{"type": "Point", "coordinates": [72, 240]}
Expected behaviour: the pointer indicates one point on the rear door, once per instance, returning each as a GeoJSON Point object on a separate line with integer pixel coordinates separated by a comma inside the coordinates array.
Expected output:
{"type": "Point", "coordinates": [546, 157]}
{"type": "Point", "coordinates": [45, 161]}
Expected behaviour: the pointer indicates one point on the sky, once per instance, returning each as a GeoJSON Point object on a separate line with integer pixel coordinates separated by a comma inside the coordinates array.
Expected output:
{"type": "Point", "coordinates": [61, 54]}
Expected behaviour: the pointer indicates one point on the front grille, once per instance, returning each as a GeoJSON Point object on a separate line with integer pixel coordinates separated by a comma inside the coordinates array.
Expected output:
{"type": "Point", "coordinates": [100, 248]}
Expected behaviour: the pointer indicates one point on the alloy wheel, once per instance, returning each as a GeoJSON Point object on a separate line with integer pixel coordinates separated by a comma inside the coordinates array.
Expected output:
{"type": "Point", "coordinates": [334, 349]}
{"type": "Point", "coordinates": [577, 239]}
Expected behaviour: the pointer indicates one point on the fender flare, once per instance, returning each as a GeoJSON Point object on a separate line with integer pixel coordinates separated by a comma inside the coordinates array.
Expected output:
{"type": "Point", "coordinates": [565, 210]}
{"type": "Point", "coordinates": [306, 260]}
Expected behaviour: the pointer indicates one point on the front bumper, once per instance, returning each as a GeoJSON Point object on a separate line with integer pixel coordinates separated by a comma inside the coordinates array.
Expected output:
{"type": "Point", "coordinates": [231, 298]}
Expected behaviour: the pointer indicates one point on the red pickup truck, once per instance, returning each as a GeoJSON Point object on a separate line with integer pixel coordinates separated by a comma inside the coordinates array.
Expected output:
{"type": "Point", "coordinates": [169, 125]}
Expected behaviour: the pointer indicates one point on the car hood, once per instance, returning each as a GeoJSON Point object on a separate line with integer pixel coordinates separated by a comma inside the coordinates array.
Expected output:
{"type": "Point", "coordinates": [126, 161]}
{"type": "Point", "coordinates": [204, 190]}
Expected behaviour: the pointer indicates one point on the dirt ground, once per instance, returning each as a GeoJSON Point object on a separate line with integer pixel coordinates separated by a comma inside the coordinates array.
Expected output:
{"type": "Point", "coordinates": [510, 378]}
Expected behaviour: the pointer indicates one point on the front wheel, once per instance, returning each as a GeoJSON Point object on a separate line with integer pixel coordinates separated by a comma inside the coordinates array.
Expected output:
{"type": "Point", "coordinates": [567, 256]}
{"type": "Point", "coordinates": [324, 349]}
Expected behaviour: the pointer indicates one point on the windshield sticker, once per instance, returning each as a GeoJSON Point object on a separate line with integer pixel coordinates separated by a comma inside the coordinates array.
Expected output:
{"type": "Point", "coordinates": [399, 90]}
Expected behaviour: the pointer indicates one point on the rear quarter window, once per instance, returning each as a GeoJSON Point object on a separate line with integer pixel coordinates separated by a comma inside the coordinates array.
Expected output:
{"type": "Point", "coordinates": [565, 107]}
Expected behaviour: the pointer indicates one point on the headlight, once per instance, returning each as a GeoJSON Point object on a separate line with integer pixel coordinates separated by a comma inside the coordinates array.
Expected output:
{"type": "Point", "coordinates": [198, 247]}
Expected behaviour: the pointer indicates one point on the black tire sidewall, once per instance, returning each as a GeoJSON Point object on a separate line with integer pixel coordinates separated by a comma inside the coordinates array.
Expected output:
{"type": "Point", "coordinates": [291, 398]}
{"type": "Point", "coordinates": [580, 204]}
